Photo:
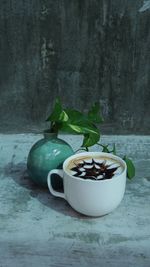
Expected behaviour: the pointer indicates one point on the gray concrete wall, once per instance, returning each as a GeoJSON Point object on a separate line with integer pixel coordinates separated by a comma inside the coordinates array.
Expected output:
{"type": "Point", "coordinates": [84, 51]}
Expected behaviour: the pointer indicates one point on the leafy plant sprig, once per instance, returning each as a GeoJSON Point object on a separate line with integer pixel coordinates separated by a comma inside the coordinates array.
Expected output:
{"type": "Point", "coordinates": [129, 163]}
{"type": "Point", "coordinates": [75, 122]}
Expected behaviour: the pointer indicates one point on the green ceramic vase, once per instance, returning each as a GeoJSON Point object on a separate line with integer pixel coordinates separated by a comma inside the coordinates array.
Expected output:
{"type": "Point", "coordinates": [47, 154]}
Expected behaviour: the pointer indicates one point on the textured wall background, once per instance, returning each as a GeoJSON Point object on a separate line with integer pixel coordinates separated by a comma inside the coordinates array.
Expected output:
{"type": "Point", "coordinates": [82, 50]}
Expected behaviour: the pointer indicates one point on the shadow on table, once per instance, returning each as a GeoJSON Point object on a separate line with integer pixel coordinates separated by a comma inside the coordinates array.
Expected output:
{"type": "Point", "coordinates": [19, 174]}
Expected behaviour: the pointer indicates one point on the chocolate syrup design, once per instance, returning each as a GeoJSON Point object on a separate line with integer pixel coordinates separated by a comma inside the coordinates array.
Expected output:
{"type": "Point", "coordinates": [94, 170]}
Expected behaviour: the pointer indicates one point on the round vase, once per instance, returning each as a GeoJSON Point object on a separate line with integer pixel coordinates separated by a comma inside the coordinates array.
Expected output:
{"type": "Point", "coordinates": [47, 154]}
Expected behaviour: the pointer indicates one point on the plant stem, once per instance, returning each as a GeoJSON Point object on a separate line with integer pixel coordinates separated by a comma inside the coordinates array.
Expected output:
{"type": "Point", "coordinates": [84, 149]}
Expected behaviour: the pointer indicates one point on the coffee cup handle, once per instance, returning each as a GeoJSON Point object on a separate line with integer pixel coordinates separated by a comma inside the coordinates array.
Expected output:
{"type": "Point", "coordinates": [49, 182]}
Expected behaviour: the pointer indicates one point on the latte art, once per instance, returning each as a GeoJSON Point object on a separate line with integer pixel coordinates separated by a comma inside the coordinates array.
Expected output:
{"type": "Point", "coordinates": [95, 168]}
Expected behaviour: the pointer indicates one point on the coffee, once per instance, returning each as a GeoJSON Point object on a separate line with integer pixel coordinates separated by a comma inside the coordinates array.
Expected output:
{"type": "Point", "coordinates": [94, 168]}
{"type": "Point", "coordinates": [94, 182]}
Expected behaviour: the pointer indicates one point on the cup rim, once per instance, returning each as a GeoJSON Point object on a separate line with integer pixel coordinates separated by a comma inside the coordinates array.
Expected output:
{"type": "Point", "coordinates": [110, 155]}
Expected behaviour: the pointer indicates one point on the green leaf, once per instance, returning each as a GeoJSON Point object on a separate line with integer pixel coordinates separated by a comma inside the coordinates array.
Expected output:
{"type": "Point", "coordinates": [90, 139]}
{"type": "Point", "coordinates": [105, 149]}
{"type": "Point", "coordinates": [94, 114]}
{"type": "Point", "coordinates": [75, 115]}
{"type": "Point", "coordinates": [90, 132]}
{"type": "Point", "coordinates": [58, 114]}
{"type": "Point", "coordinates": [130, 167]}
{"type": "Point", "coordinates": [79, 128]}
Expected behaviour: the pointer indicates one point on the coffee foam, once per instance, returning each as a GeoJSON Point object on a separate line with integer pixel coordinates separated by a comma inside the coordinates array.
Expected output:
{"type": "Point", "coordinates": [81, 167]}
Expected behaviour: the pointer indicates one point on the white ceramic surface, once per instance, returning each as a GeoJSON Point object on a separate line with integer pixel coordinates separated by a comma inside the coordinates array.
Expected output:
{"type": "Point", "coordinates": [91, 197]}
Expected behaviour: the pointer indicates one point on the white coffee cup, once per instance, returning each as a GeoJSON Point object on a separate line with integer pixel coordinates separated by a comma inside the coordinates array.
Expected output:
{"type": "Point", "coordinates": [91, 197]}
